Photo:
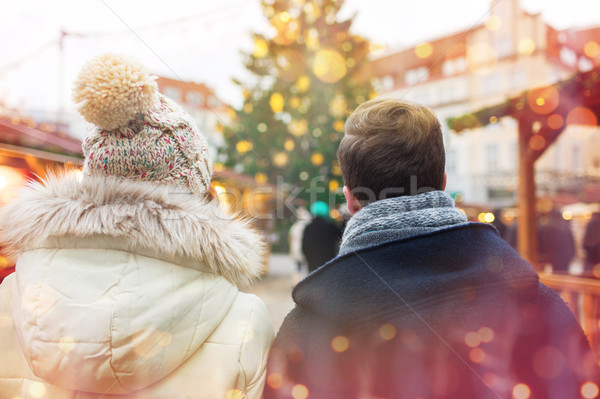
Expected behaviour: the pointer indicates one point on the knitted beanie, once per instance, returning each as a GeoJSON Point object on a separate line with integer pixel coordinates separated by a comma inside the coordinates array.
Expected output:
{"type": "Point", "coordinates": [137, 133]}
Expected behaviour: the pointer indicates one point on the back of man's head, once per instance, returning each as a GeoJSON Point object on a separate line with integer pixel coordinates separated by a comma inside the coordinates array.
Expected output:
{"type": "Point", "coordinates": [391, 148]}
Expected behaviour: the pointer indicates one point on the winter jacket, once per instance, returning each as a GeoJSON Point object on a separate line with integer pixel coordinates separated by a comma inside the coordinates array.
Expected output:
{"type": "Point", "coordinates": [320, 242]}
{"type": "Point", "coordinates": [454, 313]}
{"type": "Point", "coordinates": [127, 289]}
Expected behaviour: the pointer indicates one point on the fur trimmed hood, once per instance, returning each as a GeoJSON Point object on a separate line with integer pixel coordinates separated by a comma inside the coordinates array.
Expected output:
{"type": "Point", "coordinates": [145, 217]}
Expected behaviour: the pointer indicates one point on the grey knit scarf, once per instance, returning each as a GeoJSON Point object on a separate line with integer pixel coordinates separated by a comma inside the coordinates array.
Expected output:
{"type": "Point", "coordinates": [400, 217]}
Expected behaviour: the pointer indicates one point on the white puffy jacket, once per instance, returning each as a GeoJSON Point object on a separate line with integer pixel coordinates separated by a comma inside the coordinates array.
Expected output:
{"type": "Point", "coordinates": [127, 289]}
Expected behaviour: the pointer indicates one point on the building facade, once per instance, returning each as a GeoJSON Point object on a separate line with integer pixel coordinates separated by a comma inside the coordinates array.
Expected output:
{"type": "Point", "coordinates": [510, 52]}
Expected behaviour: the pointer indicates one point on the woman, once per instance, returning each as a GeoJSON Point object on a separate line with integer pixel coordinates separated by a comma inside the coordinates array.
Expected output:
{"type": "Point", "coordinates": [126, 279]}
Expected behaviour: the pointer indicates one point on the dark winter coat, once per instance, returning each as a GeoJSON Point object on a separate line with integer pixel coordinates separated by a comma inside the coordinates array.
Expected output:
{"type": "Point", "coordinates": [450, 314]}
{"type": "Point", "coordinates": [591, 242]}
{"type": "Point", "coordinates": [320, 242]}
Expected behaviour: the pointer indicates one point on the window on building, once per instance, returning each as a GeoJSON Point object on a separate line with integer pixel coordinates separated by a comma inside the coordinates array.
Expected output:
{"type": "Point", "coordinates": [451, 162]}
{"type": "Point", "coordinates": [387, 83]}
{"type": "Point", "coordinates": [454, 66]}
{"type": "Point", "coordinates": [491, 158]}
{"type": "Point", "coordinates": [568, 56]}
{"type": "Point", "coordinates": [194, 98]}
{"type": "Point", "coordinates": [173, 93]}
{"type": "Point", "coordinates": [490, 84]}
{"type": "Point", "coordinates": [518, 79]}
{"type": "Point", "coordinates": [585, 64]}
{"type": "Point", "coordinates": [503, 46]}
{"type": "Point", "coordinates": [416, 75]}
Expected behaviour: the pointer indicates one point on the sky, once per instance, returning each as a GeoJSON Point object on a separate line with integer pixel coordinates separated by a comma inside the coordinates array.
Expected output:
{"type": "Point", "coordinates": [203, 40]}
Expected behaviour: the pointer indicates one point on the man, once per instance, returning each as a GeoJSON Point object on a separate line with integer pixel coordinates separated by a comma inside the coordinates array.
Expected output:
{"type": "Point", "coordinates": [420, 303]}
{"type": "Point", "coordinates": [321, 237]}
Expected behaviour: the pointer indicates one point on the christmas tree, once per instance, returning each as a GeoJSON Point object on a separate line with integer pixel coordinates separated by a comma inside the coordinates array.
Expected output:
{"type": "Point", "coordinates": [308, 80]}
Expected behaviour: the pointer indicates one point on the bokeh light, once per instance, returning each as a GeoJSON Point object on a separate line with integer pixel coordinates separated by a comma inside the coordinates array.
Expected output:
{"type": "Point", "coordinates": [589, 390]}
{"type": "Point", "coordinates": [555, 121]}
{"type": "Point", "coordinates": [537, 142]}
{"type": "Point", "coordinates": [424, 50]}
{"type": "Point", "coordinates": [472, 339]}
{"type": "Point", "coordinates": [275, 380]}
{"type": "Point", "coordinates": [37, 390]}
{"type": "Point", "coordinates": [592, 49]}
{"type": "Point", "coordinates": [387, 331]}
{"type": "Point", "coordinates": [299, 392]}
{"type": "Point", "coordinates": [276, 102]}
{"type": "Point", "coordinates": [244, 146]}
{"type": "Point", "coordinates": [493, 23]}
{"type": "Point", "coordinates": [303, 83]}
{"type": "Point", "coordinates": [329, 66]}
{"type": "Point", "coordinates": [521, 391]}
{"type": "Point", "coordinates": [543, 101]}
{"type": "Point", "coordinates": [289, 145]}
{"type": "Point", "coordinates": [477, 355]}
{"type": "Point", "coordinates": [280, 159]}
{"type": "Point", "coordinates": [261, 48]}
{"type": "Point", "coordinates": [317, 159]}
{"type": "Point", "coordinates": [581, 116]}
{"type": "Point", "coordinates": [526, 46]}
{"type": "Point", "coordinates": [298, 127]}
{"type": "Point", "coordinates": [340, 344]}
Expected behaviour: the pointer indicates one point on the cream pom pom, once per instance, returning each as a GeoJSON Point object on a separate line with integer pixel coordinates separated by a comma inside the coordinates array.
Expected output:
{"type": "Point", "coordinates": [111, 90]}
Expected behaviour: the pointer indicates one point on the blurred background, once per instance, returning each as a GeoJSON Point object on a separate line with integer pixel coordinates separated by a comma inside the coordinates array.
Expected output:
{"type": "Point", "coordinates": [270, 83]}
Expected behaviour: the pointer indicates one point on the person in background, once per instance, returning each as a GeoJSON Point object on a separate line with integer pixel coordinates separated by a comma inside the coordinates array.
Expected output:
{"type": "Point", "coordinates": [419, 302]}
{"type": "Point", "coordinates": [555, 240]}
{"type": "Point", "coordinates": [295, 235]}
{"type": "Point", "coordinates": [591, 242]}
{"type": "Point", "coordinates": [321, 237]}
{"type": "Point", "coordinates": [126, 284]}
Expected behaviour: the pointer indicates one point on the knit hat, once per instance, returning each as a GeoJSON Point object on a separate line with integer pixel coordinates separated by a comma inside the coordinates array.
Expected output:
{"type": "Point", "coordinates": [137, 132]}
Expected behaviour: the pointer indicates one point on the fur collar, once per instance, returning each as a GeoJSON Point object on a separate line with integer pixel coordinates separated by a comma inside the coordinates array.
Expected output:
{"type": "Point", "coordinates": [148, 217]}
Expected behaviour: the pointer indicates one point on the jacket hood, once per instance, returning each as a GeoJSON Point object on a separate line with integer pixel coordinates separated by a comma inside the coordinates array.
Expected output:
{"type": "Point", "coordinates": [407, 275]}
{"type": "Point", "coordinates": [159, 220]}
{"type": "Point", "coordinates": [118, 283]}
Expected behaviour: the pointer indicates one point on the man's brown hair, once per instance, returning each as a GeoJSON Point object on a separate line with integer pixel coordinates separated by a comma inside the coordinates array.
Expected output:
{"type": "Point", "coordinates": [391, 148]}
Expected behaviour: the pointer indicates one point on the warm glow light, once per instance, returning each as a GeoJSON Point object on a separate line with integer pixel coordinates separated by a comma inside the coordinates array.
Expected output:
{"type": "Point", "coordinates": [485, 334]}
{"type": "Point", "coordinates": [299, 392]}
{"type": "Point", "coordinates": [298, 127]}
{"type": "Point", "coordinates": [289, 145]}
{"type": "Point", "coordinates": [275, 380]}
{"type": "Point", "coordinates": [537, 142]}
{"type": "Point", "coordinates": [589, 390]}
{"type": "Point", "coordinates": [543, 101]}
{"type": "Point", "coordinates": [340, 344]}
{"type": "Point", "coordinates": [555, 121]}
{"type": "Point", "coordinates": [284, 16]}
{"type": "Point", "coordinates": [280, 159]}
{"type": "Point", "coordinates": [37, 390]}
{"type": "Point", "coordinates": [493, 120]}
{"type": "Point", "coordinates": [526, 46]}
{"type": "Point", "coordinates": [333, 185]}
{"type": "Point", "coordinates": [243, 146]}
{"type": "Point", "coordinates": [592, 49]}
{"type": "Point", "coordinates": [476, 355]}
{"type": "Point", "coordinates": [472, 339]}
{"type": "Point", "coordinates": [303, 83]}
{"type": "Point", "coordinates": [567, 215]}
{"type": "Point", "coordinates": [317, 159]}
{"type": "Point", "coordinates": [424, 50]}
{"type": "Point", "coordinates": [338, 125]}
{"type": "Point", "coordinates": [329, 66]}
{"type": "Point", "coordinates": [276, 102]}
{"type": "Point", "coordinates": [376, 48]}
{"type": "Point", "coordinates": [581, 116]}
{"type": "Point", "coordinates": [521, 391]}
{"type": "Point", "coordinates": [336, 170]}
{"type": "Point", "coordinates": [260, 178]}
{"type": "Point", "coordinates": [493, 23]}
{"type": "Point", "coordinates": [261, 48]}
{"type": "Point", "coordinates": [489, 217]}
{"type": "Point", "coordinates": [387, 331]}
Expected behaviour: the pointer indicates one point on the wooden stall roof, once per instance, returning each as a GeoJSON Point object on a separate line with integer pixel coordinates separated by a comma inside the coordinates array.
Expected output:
{"type": "Point", "coordinates": [572, 101]}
